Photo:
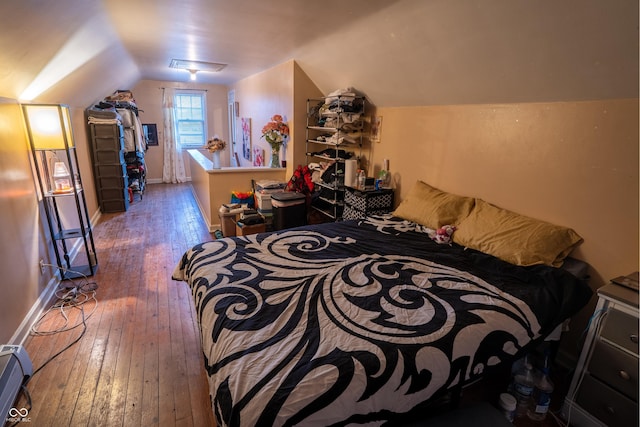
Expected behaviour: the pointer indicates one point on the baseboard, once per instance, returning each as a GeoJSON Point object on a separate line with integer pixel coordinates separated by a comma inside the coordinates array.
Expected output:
{"type": "Point", "coordinates": [211, 227]}
{"type": "Point", "coordinates": [96, 217]}
{"type": "Point", "coordinates": [45, 297]}
{"type": "Point", "coordinates": [41, 304]}
{"type": "Point", "coordinates": [159, 180]}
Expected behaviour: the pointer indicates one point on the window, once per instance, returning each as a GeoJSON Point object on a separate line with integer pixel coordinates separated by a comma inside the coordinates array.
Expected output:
{"type": "Point", "coordinates": [190, 118]}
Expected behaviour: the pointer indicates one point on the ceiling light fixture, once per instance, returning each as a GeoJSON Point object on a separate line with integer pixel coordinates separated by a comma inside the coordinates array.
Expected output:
{"type": "Point", "coordinates": [196, 66]}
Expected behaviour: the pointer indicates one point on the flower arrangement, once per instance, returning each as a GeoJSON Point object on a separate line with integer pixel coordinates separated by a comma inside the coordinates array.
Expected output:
{"type": "Point", "coordinates": [215, 144]}
{"type": "Point", "coordinates": [275, 132]}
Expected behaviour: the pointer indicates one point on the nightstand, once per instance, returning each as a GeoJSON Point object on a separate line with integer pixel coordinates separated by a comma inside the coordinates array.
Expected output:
{"type": "Point", "coordinates": [360, 203]}
{"type": "Point", "coordinates": [604, 389]}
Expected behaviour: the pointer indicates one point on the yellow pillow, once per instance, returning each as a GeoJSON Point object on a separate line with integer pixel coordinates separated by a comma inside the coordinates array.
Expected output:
{"type": "Point", "coordinates": [515, 238]}
{"type": "Point", "coordinates": [433, 208]}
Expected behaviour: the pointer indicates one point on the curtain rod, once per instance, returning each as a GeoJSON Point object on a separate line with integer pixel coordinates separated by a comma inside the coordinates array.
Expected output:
{"type": "Point", "coordinates": [183, 88]}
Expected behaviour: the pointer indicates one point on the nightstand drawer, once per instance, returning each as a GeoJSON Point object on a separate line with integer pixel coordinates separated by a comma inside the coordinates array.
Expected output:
{"type": "Point", "coordinates": [616, 368]}
{"type": "Point", "coordinates": [606, 404]}
{"type": "Point", "coordinates": [621, 329]}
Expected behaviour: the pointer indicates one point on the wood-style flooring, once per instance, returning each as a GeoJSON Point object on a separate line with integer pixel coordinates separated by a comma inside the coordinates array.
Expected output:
{"type": "Point", "coordinates": [139, 362]}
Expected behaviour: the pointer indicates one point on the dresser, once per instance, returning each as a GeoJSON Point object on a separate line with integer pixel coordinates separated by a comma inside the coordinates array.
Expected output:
{"type": "Point", "coordinates": [604, 389]}
{"type": "Point", "coordinates": [109, 167]}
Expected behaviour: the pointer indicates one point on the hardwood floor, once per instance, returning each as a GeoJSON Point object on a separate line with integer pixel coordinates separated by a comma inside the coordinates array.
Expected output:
{"type": "Point", "coordinates": [489, 389]}
{"type": "Point", "coordinates": [139, 362]}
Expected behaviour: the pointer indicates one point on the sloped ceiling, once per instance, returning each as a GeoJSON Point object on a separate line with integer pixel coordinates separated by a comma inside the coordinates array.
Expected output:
{"type": "Point", "coordinates": [398, 52]}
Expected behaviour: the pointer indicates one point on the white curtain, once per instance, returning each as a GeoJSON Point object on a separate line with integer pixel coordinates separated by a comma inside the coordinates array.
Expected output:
{"type": "Point", "coordinates": [173, 164]}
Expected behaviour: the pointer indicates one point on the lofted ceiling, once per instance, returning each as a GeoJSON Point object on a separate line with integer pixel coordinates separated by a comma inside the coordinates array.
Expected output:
{"type": "Point", "coordinates": [398, 52]}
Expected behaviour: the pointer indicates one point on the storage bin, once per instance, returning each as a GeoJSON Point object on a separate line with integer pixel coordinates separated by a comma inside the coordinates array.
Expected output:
{"type": "Point", "coordinates": [121, 205]}
{"type": "Point", "coordinates": [111, 170]}
{"type": "Point", "coordinates": [107, 131]}
{"type": "Point", "coordinates": [108, 157]}
{"type": "Point", "coordinates": [113, 182]}
{"type": "Point", "coordinates": [289, 210]}
{"type": "Point", "coordinates": [108, 144]}
{"type": "Point", "coordinates": [362, 203]}
{"type": "Point", "coordinates": [263, 202]}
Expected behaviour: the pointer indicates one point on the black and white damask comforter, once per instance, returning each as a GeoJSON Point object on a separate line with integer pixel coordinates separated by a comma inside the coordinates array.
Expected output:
{"type": "Point", "coordinates": [354, 322]}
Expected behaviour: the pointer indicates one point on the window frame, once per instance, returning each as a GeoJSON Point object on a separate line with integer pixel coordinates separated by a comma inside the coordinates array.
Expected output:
{"type": "Point", "coordinates": [177, 121]}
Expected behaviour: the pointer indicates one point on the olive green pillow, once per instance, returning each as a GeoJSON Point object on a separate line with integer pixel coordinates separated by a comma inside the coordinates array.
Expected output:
{"type": "Point", "coordinates": [433, 208]}
{"type": "Point", "coordinates": [515, 238]}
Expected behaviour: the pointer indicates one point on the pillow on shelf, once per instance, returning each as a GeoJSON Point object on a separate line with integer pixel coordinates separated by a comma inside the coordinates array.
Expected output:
{"type": "Point", "coordinates": [515, 238]}
{"type": "Point", "coordinates": [433, 208]}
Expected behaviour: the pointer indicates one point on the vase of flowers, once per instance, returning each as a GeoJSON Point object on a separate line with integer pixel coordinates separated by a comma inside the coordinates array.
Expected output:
{"type": "Point", "coordinates": [214, 146]}
{"type": "Point", "coordinates": [275, 133]}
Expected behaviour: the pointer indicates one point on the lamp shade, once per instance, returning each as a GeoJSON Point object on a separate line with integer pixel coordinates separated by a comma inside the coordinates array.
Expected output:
{"type": "Point", "coordinates": [48, 126]}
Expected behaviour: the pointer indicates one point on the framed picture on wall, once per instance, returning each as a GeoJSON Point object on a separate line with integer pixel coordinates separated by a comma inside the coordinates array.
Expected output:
{"type": "Point", "coordinates": [258, 156]}
{"type": "Point", "coordinates": [246, 137]}
{"type": "Point", "coordinates": [150, 131]}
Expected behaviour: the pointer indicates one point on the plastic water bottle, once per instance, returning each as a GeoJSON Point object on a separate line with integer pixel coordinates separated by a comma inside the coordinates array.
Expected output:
{"type": "Point", "coordinates": [541, 397]}
{"type": "Point", "coordinates": [523, 384]}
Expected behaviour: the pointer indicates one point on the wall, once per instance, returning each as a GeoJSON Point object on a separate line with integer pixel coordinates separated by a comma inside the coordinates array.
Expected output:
{"type": "Point", "coordinates": [148, 96]}
{"type": "Point", "coordinates": [260, 97]}
{"type": "Point", "coordinates": [22, 232]}
{"type": "Point", "coordinates": [304, 89]}
{"type": "Point", "coordinates": [24, 289]}
{"type": "Point", "coordinates": [569, 163]}
{"type": "Point", "coordinates": [283, 89]}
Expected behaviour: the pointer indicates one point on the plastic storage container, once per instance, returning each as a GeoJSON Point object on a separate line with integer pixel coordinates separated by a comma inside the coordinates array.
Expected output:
{"type": "Point", "coordinates": [289, 210]}
{"type": "Point", "coordinates": [508, 405]}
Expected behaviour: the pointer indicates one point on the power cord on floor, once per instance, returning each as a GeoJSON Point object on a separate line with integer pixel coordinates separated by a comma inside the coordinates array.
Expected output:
{"type": "Point", "coordinates": [73, 295]}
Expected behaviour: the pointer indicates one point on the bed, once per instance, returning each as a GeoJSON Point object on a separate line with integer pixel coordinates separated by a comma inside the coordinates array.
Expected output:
{"type": "Point", "coordinates": [361, 321]}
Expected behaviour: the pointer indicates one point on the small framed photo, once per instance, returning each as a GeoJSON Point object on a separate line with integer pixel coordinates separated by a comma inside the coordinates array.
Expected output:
{"type": "Point", "coordinates": [150, 131]}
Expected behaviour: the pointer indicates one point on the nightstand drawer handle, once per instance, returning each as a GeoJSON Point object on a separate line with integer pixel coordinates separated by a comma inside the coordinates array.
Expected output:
{"type": "Point", "coordinates": [634, 338]}
{"type": "Point", "coordinates": [624, 375]}
{"type": "Point", "coordinates": [610, 410]}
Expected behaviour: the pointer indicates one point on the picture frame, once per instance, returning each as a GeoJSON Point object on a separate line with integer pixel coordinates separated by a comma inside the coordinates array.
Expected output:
{"type": "Point", "coordinates": [245, 123]}
{"type": "Point", "coordinates": [150, 131]}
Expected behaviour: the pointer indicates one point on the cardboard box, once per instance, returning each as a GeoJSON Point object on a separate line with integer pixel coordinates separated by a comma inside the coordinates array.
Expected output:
{"type": "Point", "coordinates": [245, 230]}
{"type": "Point", "coordinates": [263, 201]}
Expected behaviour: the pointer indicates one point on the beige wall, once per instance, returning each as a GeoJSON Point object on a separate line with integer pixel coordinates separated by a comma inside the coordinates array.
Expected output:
{"type": "Point", "coordinates": [569, 163]}
{"type": "Point", "coordinates": [283, 90]}
{"type": "Point", "coordinates": [573, 164]}
{"type": "Point", "coordinates": [304, 89]}
{"type": "Point", "coordinates": [22, 234]}
{"type": "Point", "coordinates": [260, 97]}
{"type": "Point", "coordinates": [148, 96]}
